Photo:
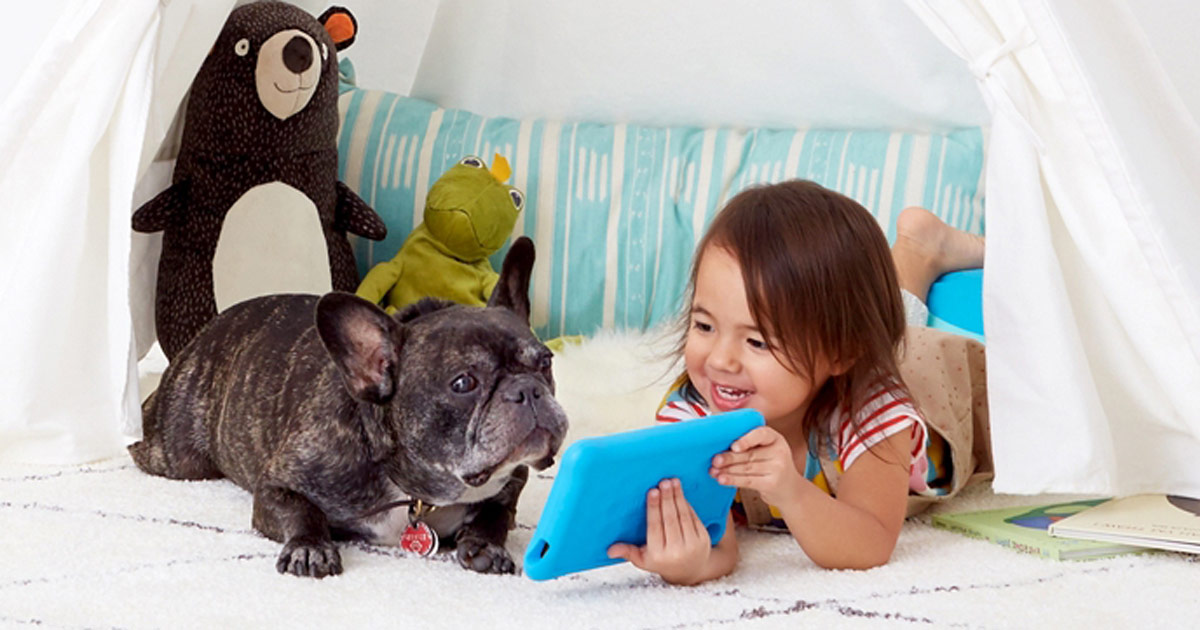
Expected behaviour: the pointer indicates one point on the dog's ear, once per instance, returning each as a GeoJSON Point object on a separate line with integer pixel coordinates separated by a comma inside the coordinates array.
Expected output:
{"type": "Point", "coordinates": [512, 290]}
{"type": "Point", "coordinates": [364, 343]}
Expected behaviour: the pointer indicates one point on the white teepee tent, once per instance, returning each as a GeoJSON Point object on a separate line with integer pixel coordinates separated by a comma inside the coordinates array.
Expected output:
{"type": "Point", "coordinates": [1091, 301]}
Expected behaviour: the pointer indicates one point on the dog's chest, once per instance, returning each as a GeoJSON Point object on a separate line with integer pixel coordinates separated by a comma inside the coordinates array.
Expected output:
{"type": "Point", "coordinates": [493, 486]}
{"type": "Point", "coordinates": [386, 527]}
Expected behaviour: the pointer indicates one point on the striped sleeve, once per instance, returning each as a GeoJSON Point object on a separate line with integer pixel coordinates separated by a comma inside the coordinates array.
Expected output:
{"type": "Point", "coordinates": [681, 403]}
{"type": "Point", "coordinates": [885, 414]}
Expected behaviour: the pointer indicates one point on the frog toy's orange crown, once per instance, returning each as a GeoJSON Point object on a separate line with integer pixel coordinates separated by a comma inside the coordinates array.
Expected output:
{"type": "Point", "coordinates": [500, 168]}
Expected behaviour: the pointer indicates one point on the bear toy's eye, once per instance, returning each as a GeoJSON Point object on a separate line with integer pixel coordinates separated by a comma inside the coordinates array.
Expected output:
{"type": "Point", "coordinates": [464, 384]}
{"type": "Point", "coordinates": [324, 51]}
{"type": "Point", "coordinates": [242, 47]}
{"type": "Point", "coordinates": [471, 160]}
{"type": "Point", "coordinates": [517, 197]}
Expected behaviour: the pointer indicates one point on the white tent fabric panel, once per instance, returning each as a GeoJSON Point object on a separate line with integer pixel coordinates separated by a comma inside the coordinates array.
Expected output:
{"type": "Point", "coordinates": [79, 130]}
{"type": "Point", "coordinates": [1090, 307]}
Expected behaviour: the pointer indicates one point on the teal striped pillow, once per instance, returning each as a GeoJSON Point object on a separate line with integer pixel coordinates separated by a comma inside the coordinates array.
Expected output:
{"type": "Point", "coordinates": [615, 210]}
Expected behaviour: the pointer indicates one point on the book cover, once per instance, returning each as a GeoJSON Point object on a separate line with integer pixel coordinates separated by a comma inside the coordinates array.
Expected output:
{"type": "Point", "coordinates": [1147, 520]}
{"type": "Point", "coordinates": [1025, 529]}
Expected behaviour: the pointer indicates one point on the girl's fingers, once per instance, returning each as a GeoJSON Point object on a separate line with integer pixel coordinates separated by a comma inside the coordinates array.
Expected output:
{"type": "Point", "coordinates": [746, 468]}
{"type": "Point", "coordinates": [692, 524]}
{"type": "Point", "coordinates": [672, 532]}
{"type": "Point", "coordinates": [654, 519]}
{"type": "Point", "coordinates": [619, 550]}
{"type": "Point", "coordinates": [634, 554]}
{"type": "Point", "coordinates": [729, 458]}
{"type": "Point", "coordinates": [748, 475]}
{"type": "Point", "coordinates": [757, 437]}
{"type": "Point", "coordinates": [687, 516]}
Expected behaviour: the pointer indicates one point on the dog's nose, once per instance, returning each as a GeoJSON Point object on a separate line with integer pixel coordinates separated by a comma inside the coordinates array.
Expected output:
{"type": "Point", "coordinates": [298, 55]}
{"type": "Point", "coordinates": [522, 395]}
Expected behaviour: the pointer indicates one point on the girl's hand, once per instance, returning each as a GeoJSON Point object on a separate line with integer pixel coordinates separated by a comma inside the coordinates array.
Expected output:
{"type": "Point", "coordinates": [760, 460]}
{"type": "Point", "coordinates": [677, 544]}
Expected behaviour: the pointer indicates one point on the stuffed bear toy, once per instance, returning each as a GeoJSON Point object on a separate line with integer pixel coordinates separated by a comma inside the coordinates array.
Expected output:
{"type": "Point", "coordinates": [255, 206]}
{"type": "Point", "coordinates": [469, 214]}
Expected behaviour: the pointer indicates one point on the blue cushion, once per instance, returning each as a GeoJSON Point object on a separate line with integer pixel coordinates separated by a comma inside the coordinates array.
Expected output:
{"type": "Point", "coordinates": [615, 210]}
{"type": "Point", "coordinates": [956, 303]}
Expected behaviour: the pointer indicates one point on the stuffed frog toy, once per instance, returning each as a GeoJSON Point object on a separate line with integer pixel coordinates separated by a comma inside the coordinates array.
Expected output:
{"type": "Point", "coordinates": [469, 214]}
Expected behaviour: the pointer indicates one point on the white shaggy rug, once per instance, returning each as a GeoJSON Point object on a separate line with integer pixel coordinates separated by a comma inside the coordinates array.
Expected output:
{"type": "Point", "coordinates": [106, 546]}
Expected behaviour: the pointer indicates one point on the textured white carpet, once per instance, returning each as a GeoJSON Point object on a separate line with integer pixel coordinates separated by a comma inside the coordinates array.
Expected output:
{"type": "Point", "coordinates": [106, 546]}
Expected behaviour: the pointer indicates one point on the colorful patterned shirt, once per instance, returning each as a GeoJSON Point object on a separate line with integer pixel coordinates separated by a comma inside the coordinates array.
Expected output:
{"type": "Point", "coordinates": [885, 414]}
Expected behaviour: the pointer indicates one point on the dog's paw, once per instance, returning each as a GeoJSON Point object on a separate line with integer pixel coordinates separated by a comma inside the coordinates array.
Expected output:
{"type": "Point", "coordinates": [480, 555]}
{"type": "Point", "coordinates": [311, 557]}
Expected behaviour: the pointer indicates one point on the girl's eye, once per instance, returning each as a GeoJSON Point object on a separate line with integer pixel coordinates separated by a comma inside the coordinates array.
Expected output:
{"type": "Point", "coordinates": [702, 326]}
{"type": "Point", "coordinates": [464, 384]}
{"type": "Point", "coordinates": [757, 344]}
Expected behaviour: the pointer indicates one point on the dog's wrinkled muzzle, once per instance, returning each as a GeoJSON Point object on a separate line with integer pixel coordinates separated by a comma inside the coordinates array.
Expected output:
{"type": "Point", "coordinates": [524, 426]}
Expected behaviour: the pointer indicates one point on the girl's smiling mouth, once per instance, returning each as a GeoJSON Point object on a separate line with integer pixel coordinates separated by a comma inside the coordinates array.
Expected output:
{"type": "Point", "coordinates": [728, 398]}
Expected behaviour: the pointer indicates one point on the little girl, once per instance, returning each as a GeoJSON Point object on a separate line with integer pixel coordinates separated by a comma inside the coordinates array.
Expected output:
{"type": "Point", "coordinates": [797, 311]}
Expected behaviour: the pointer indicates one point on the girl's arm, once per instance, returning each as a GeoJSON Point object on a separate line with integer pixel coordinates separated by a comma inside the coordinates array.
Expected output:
{"type": "Point", "coordinates": [678, 547]}
{"type": "Point", "coordinates": [857, 529]}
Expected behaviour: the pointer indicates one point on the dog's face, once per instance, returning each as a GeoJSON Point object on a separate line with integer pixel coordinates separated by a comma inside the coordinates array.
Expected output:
{"type": "Point", "coordinates": [466, 393]}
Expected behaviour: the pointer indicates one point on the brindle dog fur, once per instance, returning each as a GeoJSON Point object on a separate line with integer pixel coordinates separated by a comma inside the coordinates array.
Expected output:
{"type": "Point", "coordinates": [335, 416]}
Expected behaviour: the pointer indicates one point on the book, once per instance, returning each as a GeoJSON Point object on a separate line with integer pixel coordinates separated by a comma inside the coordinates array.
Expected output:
{"type": "Point", "coordinates": [1160, 521]}
{"type": "Point", "coordinates": [1025, 529]}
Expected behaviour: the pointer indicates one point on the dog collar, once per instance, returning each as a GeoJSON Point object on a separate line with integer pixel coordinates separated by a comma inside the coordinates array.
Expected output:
{"type": "Point", "coordinates": [416, 508]}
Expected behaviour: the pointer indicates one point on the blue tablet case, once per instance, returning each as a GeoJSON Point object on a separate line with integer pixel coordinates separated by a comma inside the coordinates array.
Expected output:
{"type": "Point", "coordinates": [599, 495]}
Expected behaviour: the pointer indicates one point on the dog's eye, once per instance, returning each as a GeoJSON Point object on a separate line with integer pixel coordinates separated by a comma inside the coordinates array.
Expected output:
{"type": "Point", "coordinates": [545, 362]}
{"type": "Point", "coordinates": [463, 383]}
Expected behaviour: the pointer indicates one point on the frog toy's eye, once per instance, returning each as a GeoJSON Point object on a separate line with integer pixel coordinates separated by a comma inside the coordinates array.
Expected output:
{"type": "Point", "coordinates": [517, 197]}
{"type": "Point", "coordinates": [242, 47]}
{"type": "Point", "coordinates": [472, 161]}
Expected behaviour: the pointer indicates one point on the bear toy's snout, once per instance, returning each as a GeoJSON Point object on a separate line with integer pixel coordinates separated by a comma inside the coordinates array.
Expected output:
{"type": "Point", "coordinates": [298, 55]}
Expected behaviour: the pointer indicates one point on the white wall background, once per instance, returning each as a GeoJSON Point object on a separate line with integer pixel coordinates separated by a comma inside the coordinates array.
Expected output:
{"type": "Point", "coordinates": [391, 37]}
{"type": "Point", "coordinates": [701, 62]}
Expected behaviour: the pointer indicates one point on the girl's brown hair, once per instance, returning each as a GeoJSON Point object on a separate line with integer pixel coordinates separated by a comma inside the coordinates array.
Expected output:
{"type": "Point", "coordinates": [820, 282]}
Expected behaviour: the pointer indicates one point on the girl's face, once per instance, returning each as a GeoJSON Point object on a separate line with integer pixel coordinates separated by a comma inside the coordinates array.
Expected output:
{"type": "Point", "coordinates": [729, 360]}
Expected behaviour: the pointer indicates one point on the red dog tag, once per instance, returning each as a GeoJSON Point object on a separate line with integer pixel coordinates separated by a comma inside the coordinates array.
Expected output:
{"type": "Point", "coordinates": [419, 538]}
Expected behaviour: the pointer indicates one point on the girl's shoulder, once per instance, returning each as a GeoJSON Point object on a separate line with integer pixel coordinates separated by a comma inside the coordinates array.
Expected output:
{"type": "Point", "coordinates": [681, 402]}
{"type": "Point", "coordinates": [886, 411]}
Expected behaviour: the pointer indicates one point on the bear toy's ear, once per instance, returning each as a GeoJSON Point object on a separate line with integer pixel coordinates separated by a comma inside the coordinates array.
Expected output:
{"type": "Point", "coordinates": [339, 22]}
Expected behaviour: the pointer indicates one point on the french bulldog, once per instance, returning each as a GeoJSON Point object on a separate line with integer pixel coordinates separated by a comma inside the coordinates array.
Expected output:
{"type": "Point", "coordinates": [340, 419]}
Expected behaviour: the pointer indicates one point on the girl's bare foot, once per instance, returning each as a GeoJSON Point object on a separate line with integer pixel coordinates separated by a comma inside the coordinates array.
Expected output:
{"type": "Point", "coordinates": [926, 247]}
